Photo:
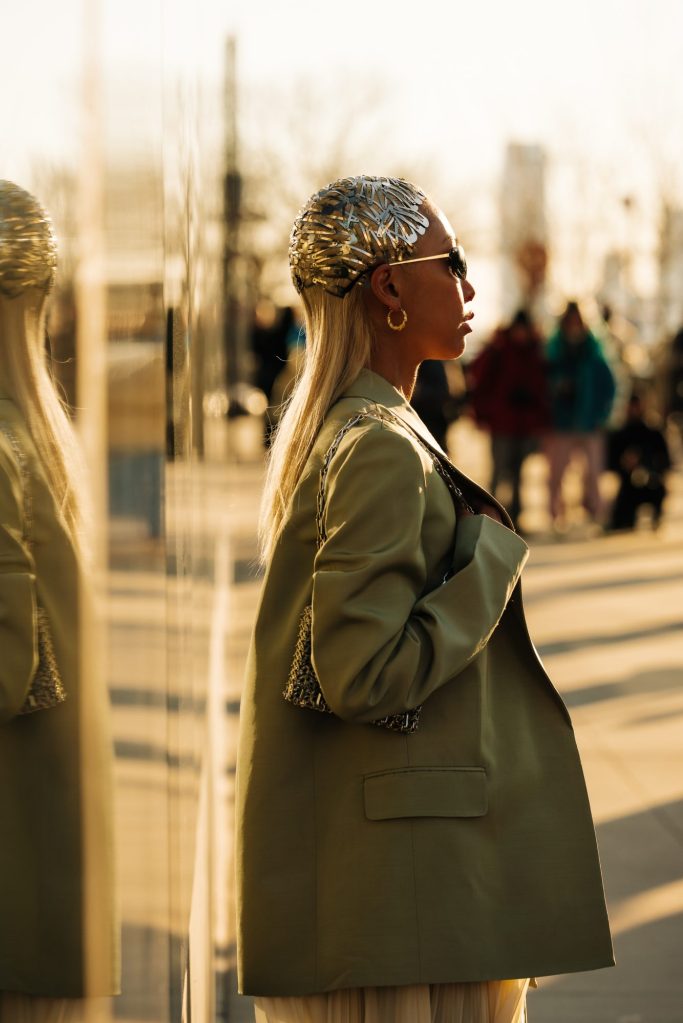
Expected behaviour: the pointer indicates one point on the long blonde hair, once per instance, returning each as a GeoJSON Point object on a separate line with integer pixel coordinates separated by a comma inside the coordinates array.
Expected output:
{"type": "Point", "coordinates": [25, 377]}
{"type": "Point", "coordinates": [339, 342]}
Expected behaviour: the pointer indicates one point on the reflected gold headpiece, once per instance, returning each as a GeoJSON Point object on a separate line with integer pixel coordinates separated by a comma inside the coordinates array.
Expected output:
{"type": "Point", "coordinates": [28, 246]}
{"type": "Point", "coordinates": [352, 225]}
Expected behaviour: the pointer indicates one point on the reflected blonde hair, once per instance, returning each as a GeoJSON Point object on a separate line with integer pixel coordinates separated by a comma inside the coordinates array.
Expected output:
{"type": "Point", "coordinates": [25, 377]}
{"type": "Point", "coordinates": [339, 342]}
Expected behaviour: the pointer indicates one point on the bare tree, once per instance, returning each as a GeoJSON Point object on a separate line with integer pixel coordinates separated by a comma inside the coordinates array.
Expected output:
{"type": "Point", "coordinates": [304, 135]}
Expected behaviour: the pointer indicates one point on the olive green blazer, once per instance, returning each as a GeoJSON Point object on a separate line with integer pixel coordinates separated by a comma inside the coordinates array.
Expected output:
{"type": "Point", "coordinates": [462, 852]}
{"type": "Point", "coordinates": [41, 875]}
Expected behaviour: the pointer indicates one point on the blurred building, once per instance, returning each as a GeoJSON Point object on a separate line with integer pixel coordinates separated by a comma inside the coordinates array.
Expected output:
{"type": "Point", "coordinates": [524, 232]}
{"type": "Point", "coordinates": [671, 271]}
{"type": "Point", "coordinates": [615, 291]}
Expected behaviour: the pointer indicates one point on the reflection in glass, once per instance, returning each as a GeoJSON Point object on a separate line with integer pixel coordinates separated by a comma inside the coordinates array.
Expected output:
{"type": "Point", "coordinates": [118, 133]}
{"type": "Point", "coordinates": [55, 754]}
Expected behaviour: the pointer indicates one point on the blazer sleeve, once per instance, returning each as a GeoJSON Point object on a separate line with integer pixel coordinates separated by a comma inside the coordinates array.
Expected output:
{"type": "Point", "coordinates": [380, 644]}
{"type": "Point", "coordinates": [18, 630]}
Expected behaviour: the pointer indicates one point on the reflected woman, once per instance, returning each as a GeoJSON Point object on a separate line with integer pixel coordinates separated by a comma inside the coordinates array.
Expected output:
{"type": "Point", "coordinates": [44, 975]}
{"type": "Point", "coordinates": [424, 847]}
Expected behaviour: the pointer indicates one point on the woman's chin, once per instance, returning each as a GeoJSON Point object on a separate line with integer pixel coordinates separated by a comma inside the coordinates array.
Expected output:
{"type": "Point", "coordinates": [459, 346]}
{"type": "Point", "coordinates": [450, 349]}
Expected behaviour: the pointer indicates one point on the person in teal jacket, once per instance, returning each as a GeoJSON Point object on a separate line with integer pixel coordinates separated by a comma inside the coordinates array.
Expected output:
{"type": "Point", "coordinates": [582, 390]}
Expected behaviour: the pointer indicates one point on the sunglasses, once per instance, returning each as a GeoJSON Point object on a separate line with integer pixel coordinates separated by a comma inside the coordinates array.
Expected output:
{"type": "Point", "coordinates": [456, 261]}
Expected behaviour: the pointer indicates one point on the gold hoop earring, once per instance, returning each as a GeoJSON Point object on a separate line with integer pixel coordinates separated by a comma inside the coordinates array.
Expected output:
{"type": "Point", "coordinates": [397, 326]}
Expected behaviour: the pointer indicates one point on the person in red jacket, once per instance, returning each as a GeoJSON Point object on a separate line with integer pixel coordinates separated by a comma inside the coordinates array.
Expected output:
{"type": "Point", "coordinates": [509, 399]}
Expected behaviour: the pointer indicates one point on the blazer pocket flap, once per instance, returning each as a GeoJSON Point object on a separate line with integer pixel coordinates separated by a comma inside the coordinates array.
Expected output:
{"type": "Point", "coordinates": [426, 792]}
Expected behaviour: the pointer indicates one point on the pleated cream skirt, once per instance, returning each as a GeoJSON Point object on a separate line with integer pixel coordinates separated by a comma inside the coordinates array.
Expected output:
{"type": "Point", "coordinates": [495, 1001]}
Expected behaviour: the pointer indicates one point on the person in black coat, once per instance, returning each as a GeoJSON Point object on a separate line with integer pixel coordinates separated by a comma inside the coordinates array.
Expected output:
{"type": "Point", "coordinates": [433, 401]}
{"type": "Point", "coordinates": [639, 454]}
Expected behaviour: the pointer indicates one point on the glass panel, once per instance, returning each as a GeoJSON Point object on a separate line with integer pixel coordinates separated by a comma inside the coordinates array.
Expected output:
{"type": "Point", "coordinates": [118, 133]}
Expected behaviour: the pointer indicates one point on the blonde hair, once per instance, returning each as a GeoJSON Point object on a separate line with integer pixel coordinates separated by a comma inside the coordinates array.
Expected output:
{"type": "Point", "coordinates": [26, 378]}
{"type": "Point", "coordinates": [339, 342]}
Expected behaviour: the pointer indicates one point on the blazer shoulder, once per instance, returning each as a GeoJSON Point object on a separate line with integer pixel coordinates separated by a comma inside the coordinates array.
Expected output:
{"type": "Point", "coordinates": [369, 434]}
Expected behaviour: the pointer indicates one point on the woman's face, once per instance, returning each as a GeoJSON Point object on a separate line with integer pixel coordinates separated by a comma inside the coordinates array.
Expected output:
{"type": "Point", "coordinates": [433, 297]}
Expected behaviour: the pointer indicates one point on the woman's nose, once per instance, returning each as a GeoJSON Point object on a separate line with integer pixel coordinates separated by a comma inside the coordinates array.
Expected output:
{"type": "Point", "coordinates": [468, 291]}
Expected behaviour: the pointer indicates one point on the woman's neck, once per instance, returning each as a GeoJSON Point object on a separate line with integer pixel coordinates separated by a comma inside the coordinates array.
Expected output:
{"type": "Point", "coordinates": [400, 376]}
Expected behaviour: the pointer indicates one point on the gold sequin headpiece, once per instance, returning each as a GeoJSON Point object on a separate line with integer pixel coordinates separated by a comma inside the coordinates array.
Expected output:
{"type": "Point", "coordinates": [351, 226]}
{"type": "Point", "coordinates": [28, 246]}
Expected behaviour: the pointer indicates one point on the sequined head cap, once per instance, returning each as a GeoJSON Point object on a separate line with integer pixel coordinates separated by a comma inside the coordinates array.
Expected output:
{"type": "Point", "coordinates": [352, 225]}
{"type": "Point", "coordinates": [28, 246]}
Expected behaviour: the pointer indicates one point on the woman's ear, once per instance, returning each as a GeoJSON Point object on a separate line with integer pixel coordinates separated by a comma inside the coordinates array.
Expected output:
{"type": "Point", "coordinates": [383, 284]}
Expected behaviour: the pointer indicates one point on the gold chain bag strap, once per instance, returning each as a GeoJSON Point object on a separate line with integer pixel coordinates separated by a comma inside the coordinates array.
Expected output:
{"type": "Point", "coordinates": [303, 688]}
{"type": "Point", "coordinates": [46, 689]}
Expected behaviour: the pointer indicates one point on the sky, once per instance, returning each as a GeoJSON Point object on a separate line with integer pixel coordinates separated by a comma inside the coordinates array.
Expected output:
{"type": "Point", "coordinates": [597, 83]}
{"type": "Point", "coordinates": [465, 75]}
{"type": "Point", "coordinates": [447, 84]}
{"type": "Point", "coordinates": [458, 76]}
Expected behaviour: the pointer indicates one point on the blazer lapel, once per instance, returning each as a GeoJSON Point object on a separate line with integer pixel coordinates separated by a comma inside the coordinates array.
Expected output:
{"type": "Point", "coordinates": [467, 485]}
{"type": "Point", "coordinates": [372, 387]}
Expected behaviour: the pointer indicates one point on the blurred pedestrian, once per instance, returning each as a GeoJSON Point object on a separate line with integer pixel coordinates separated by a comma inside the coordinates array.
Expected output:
{"type": "Point", "coordinates": [270, 346]}
{"type": "Point", "coordinates": [295, 344]}
{"type": "Point", "coordinates": [432, 399]}
{"type": "Point", "coordinates": [582, 390]}
{"type": "Point", "coordinates": [414, 836]}
{"type": "Point", "coordinates": [45, 971]}
{"type": "Point", "coordinates": [508, 393]}
{"type": "Point", "coordinates": [269, 342]}
{"type": "Point", "coordinates": [673, 384]}
{"type": "Point", "coordinates": [617, 353]}
{"type": "Point", "coordinates": [639, 454]}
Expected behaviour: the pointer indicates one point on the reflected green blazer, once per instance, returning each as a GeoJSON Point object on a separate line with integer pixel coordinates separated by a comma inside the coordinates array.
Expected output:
{"type": "Point", "coordinates": [462, 852]}
{"type": "Point", "coordinates": [41, 871]}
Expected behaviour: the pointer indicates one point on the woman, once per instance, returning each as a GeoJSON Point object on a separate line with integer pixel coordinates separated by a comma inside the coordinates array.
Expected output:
{"type": "Point", "coordinates": [45, 964]}
{"type": "Point", "coordinates": [386, 876]}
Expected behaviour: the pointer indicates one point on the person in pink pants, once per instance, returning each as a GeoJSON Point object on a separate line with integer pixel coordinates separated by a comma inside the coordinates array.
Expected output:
{"type": "Point", "coordinates": [582, 389]}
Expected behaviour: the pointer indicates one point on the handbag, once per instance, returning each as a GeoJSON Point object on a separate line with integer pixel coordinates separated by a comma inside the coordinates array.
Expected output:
{"type": "Point", "coordinates": [46, 689]}
{"type": "Point", "coordinates": [303, 688]}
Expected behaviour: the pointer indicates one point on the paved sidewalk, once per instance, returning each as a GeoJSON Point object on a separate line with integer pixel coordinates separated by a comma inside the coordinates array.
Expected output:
{"type": "Point", "coordinates": [606, 616]}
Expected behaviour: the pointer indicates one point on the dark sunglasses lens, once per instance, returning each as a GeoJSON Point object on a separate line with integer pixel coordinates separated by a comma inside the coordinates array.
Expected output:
{"type": "Point", "coordinates": [457, 261]}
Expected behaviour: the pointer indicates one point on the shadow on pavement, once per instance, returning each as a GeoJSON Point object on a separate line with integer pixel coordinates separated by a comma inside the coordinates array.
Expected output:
{"type": "Point", "coordinates": [664, 680]}
{"type": "Point", "coordinates": [585, 552]}
{"type": "Point", "coordinates": [643, 986]}
{"type": "Point", "coordinates": [642, 851]}
{"type": "Point", "coordinates": [595, 586]}
{"type": "Point", "coordinates": [563, 646]}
